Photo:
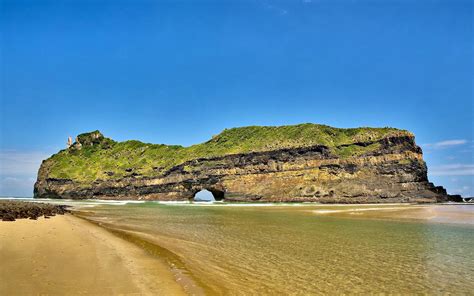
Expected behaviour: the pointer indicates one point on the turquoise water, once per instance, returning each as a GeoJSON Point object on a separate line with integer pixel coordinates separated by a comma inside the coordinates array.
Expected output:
{"type": "Point", "coordinates": [290, 249]}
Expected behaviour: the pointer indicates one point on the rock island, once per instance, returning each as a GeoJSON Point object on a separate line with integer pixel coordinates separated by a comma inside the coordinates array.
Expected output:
{"type": "Point", "coordinates": [295, 163]}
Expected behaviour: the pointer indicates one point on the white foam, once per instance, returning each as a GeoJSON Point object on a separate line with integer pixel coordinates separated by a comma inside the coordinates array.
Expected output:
{"type": "Point", "coordinates": [228, 204]}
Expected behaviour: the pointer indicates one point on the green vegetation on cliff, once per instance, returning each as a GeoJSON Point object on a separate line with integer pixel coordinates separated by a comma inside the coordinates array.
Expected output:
{"type": "Point", "coordinates": [97, 157]}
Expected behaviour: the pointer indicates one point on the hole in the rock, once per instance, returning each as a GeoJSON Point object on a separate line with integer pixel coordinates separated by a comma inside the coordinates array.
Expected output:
{"type": "Point", "coordinates": [204, 195]}
{"type": "Point", "coordinates": [209, 195]}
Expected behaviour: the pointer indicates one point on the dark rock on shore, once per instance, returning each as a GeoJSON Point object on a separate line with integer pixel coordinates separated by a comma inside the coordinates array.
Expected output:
{"type": "Point", "coordinates": [12, 210]}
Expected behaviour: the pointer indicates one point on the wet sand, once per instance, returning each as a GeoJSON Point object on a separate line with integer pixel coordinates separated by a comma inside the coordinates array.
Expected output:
{"type": "Point", "coordinates": [65, 255]}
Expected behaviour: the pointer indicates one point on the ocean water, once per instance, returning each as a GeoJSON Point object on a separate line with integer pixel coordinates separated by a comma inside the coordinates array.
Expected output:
{"type": "Point", "coordinates": [300, 249]}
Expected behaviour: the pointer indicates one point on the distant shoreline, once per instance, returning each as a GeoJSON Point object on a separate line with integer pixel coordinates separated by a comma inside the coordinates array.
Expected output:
{"type": "Point", "coordinates": [215, 203]}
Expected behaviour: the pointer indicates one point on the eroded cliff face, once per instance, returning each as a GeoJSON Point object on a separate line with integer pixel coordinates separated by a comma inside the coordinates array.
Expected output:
{"type": "Point", "coordinates": [394, 172]}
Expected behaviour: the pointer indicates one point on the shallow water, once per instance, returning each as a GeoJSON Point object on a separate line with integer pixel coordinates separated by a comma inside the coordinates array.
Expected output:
{"type": "Point", "coordinates": [305, 249]}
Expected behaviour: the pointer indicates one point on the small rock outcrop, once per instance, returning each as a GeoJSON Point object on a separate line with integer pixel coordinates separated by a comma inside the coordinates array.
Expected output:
{"type": "Point", "coordinates": [306, 162]}
{"type": "Point", "coordinates": [10, 210]}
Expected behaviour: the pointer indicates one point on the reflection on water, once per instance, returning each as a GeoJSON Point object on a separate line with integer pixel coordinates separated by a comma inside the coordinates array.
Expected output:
{"type": "Point", "coordinates": [288, 249]}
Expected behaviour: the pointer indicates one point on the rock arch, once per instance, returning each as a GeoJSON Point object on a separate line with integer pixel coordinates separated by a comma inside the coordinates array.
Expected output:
{"type": "Point", "coordinates": [217, 193]}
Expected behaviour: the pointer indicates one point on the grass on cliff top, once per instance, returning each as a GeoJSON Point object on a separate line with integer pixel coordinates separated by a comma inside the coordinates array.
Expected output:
{"type": "Point", "coordinates": [103, 158]}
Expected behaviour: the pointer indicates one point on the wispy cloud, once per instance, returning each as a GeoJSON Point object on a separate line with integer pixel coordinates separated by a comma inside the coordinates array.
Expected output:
{"type": "Point", "coordinates": [16, 186]}
{"type": "Point", "coordinates": [452, 170]}
{"type": "Point", "coordinates": [445, 144]}
{"type": "Point", "coordinates": [450, 143]}
{"type": "Point", "coordinates": [18, 171]}
{"type": "Point", "coordinates": [20, 163]}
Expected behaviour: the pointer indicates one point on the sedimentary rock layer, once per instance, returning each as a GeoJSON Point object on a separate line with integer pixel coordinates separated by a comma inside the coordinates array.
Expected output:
{"type": "Point", "coordinates": [292, 163]}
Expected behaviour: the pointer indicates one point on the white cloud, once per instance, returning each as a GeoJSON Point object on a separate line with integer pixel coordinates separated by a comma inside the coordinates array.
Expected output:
{"type": "Point", "coordinates": [445, 144]}
{"type": "Point", "coordinates": [452, 170]}
{"type": "Point", "coordinates": [450, 143]}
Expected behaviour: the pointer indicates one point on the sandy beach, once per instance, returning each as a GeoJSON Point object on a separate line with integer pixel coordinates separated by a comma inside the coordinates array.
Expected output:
{"type": "Point", "coordinates": [65, 255]}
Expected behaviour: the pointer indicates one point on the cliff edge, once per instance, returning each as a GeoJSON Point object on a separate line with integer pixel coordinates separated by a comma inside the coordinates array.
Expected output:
{"type": "Point", "coordinates": [306, 162]}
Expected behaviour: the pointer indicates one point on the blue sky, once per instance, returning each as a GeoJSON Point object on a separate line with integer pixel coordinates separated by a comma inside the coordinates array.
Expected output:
{"type": "Point", "coordinates": [177, 72]}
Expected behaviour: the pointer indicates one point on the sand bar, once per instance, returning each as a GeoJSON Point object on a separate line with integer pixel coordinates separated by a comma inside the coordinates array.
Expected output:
{"type": "Point", "coordinates": [438, 213]}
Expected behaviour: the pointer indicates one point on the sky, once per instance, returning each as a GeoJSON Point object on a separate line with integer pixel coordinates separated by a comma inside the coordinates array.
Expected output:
{"type": "Point", "coordinates": [178, 72]}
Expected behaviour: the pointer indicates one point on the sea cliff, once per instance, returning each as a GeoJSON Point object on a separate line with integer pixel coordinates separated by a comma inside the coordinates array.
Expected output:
{"type": "Point", "coordinates": [306, 162]}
